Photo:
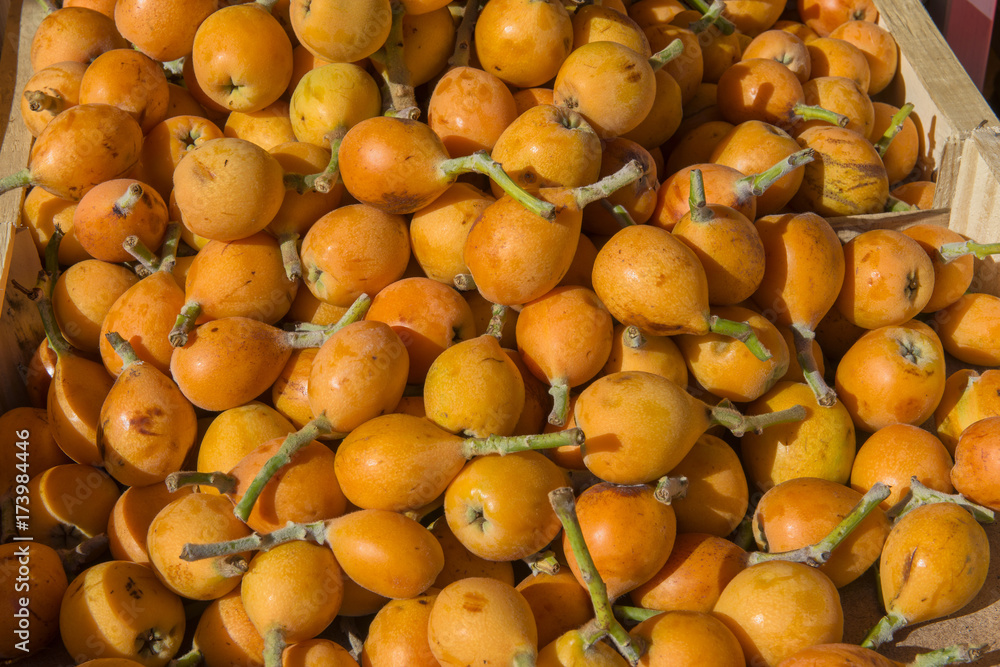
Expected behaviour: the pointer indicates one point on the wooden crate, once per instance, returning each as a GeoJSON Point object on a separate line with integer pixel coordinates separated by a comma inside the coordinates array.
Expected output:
{"type": "Point", "coordinates": [962, 144]}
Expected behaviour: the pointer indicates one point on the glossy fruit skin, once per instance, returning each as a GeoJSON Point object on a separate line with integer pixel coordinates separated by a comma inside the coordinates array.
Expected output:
{"type": "Point", "coordinates": [896, 453]}
{"type": "Point", "coordinates": [341, 30]}
{"type": "Point", "coordinates": [687, 639]}
{"type": "Point", "coordinates": [480, 619]}
{"type": "Point", "coordinates": [845, 162]}
{"type": "Point", "coordinates": [776, 608]}
{"type": "Point", "coordinates": [977, 463]}
{"type": "Point", "coordinates": [523, 42]}
{"type": "Point", "coordinates": [969, 329]}
{"type": "Point", "coordinates": [934, 562]}
{"type": "Point", "coordinates": [893, 374]}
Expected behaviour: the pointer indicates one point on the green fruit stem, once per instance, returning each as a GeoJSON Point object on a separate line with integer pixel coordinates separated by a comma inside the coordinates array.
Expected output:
{"type": "Point", "coordinates": [289, 244]}
{"type": "Point", "coordinates": [293, 443]}
{"type": "Point", "coordinates": [220, 481]}
{"type": "Point", "coordinates": [883, 631]}
{"type": "Point", "coordinates": [268, 5]}
{"type": "Point", "coordinates": [498, 319]}
{"type": "Point", "coordinates": [395, 73]}
{"type": "Point", "coordinates": [125, 204]}
{"type": "Point", "coordinates": [723, 24]}
{"type": "Point", "coordinates": [462, 54]}
{"type": "Point", "coordinates": [950, 251]}
{"type": "Point", "coordinates": [588, 194]}
{"type": "Point", "coordinates": [168, 250]}
{"type": "Point", "coordinates": [544, 562]}
{"type": "Point", "coordinates": [726, 414]}
{"type": "Point", "coordinates": [559, 391]}
{"type": "Point", "coordinates": [619, 212]}
{"type": "Point", "coordinates": [811, 112]}
{"type": "Point", "coordinates": [232, 566]}
{"type": "Point", "coordinates": [742, 535]}
{"type": "Point", "coordinates": [671, 51]}
{"type": "Point", "coordinates": [39, 101]}
{"type": "Point", "coordinates": [819, 553]}
{"type": "Point", "coordinates": [147, 258]}
{"type": "Point", "coordinates": [192, 658]}
{"type": "Point", "coordinates": [669, 489]}
{"type": "Point", "coordinates": [604, 624]}
{"type": "Point", "coordinates": [632, 337]}
{"type": "Point", "coordinates": [950, 655]}
{"type": "Point", "coordinates": [708, 18]}
{"type": "Point", "coordinates": [123, 349]}
{"type": "Point", "coordinates": [481, 163]}
{"type": "Point", "coordinates": [464, 282]}
{"type": "Point", "coordinates": [922, 495]}
{"type": "Point", "coordinates": [305, 334]}
{"type": "Point", "coordinates": [20, 179]}
{"type": "Point", "coordinates": [757, 184]}
{"type": "Point", "coordinates": [496, 444]}
{"type": "Point", "coordinates": [634, 614]}
{"type": "Point", "coordinates": [292, 532]}
{"type": "Point", "coordinates": [46, 283]}
{"type": "Point", "coordinates": [742, 332]}
{"type": "Point", "coordinates": [524, 659]}
{"type": "Point", "coordinates": [184, 324]}
{"type": "Point", "coordinates": [274, 646]}
{"type": "Point", "coordinates": [696, 199]}
{"type": "Point", "coordinates": [803, 337]}
{"type": "Point", "coordinates": [328, 178]}
{"type": "Point", "coordinates": [895, 125]}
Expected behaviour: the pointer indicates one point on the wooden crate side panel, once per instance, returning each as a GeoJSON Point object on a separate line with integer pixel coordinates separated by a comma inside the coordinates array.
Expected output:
{"type": "Point", "coordinates": [20, 325]}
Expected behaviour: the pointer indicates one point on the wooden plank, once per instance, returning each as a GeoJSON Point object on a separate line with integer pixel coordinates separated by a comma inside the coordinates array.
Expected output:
{"type": "Point", "coordinates": [19, 261]}
{"type": "Point", "coordinates": [975, 208]}
{"type": "Point", "coordinates": [849, 226]}
{"type": "Point", "coordinates": [947, 104]}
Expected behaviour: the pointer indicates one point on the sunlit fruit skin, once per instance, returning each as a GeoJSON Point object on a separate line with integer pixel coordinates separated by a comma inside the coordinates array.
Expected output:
{"type": "Point", "coordinates": [951, 279]}
{"type": "Point", "coordinates": [317, 652]}
{"type": "Point", "coordinates": [892, 375]}
{"type": "Point", "coordinates": [429, 317]}
{"type": "Point", "coordinates": [82, 296]}
{"type": "Point", "coordinates": [60, 81]}
{"type": "Point", "coordinates": [726, 367]}
{"type": "Point", "coordinates": [639, 426]}
{"type": "Point", "coordinates": [783, 46]}
{"type": "Point", "coordinates": [558, 602]}
{"type": "Point", "coordinates": [968, 397]}
{"type": "Point", "coordinates": [841, 95]}
{"type": "Point", "coordinates": [629, 534]}
{"type": "Point", "coordinates": [101, 226]}
{"type": "Point", "coordinates": [823, 16]}
{"type": "Point", "coordinates": [84, 145]}
{"type": "Point", "coordinates": [571, 649]}
{"type": "Point", "coordinates": [198, 518]}
{"type": "Point", "coordinates": [145, 96]}
{"type": "Point", "coordinates": [439, 230]}
{"type": "Point", "coordinates": [647, 277]}
{"type": "Point", "coordinates": [428, 43]}
{"type": "Point", "coordinates": [481, 620]}
{"type": "Point", "coordinates": [688, 69]}
{"type": "Point", "coordinates": [330, 96]}
{"type": "Point", "coordinates": [242, 57]}
{"type": "Point", "coordinates": [821, 445]}
{"type": "Point", "coordinates": [803, 511]}
{"type": "Point", "coordinates": [225, 635]}
{"type": "Point", "coordinates": [977, 463]}
{"type": "Point", "coordinates": [523, 42]}
{"type": "Point", "coordinates": [658, 355]}
{"type": "Point", "coordinates": [454, 113]}
{"type": "Point", "coordinates": [549, 146]}
{"type": "Point", "coordinates": [147, 426]}
{"type": "Point", "coordinates": [460, 563]}
{"type": "Point", "coordinates": [304, 490]}
{"type": "Point", "coordinates": [74, 400]}
{"type": "Point", "coordinates": [493, 522]}
{"type": "Point", "coordinates": [753, 146]}
{"type": "Point", "coordinates": [844, 163]}
{"type": "Point", "coordinates": [516, 256]}
{"type": "Point", "coordinates": [342, 31]}
{"type": "Point", "coordinates": [698, 569]}
{"type": "Point", "coordinates": [398, 634]}
{"type": "Point", "coordinates": [236, 432]}
{"type": "Point", "coordinates": [474, 388]}
{"type": "Point", "coordinates": [353, 250]}
{"type": "Point", "coordinates": [110, 604]}
{"type": "Point", "coordinates": [162, 30]}
{"type": "Point", "coordinates": [687, 639]}
{"type": "Point", "coordinates": [33, 584]}
{"type": "Point", "coordinates": [300, 606]}
{"type": "Point", "coordinates": [71, 503]}
{"type": "Point", "coordinates": [888, 279]}
{"type": "Point", "coordinates": [597, 69]}
{"type": "Point", "coordinates": [408, 477]}
{"type": "Point", "coordinates": [837, 57]}
{"type": "Point", "coordinates": [896, 453]}
{"type": "Point", "coordinates": [970, 329]}
{"type": "Point", "coordinates": [934, 562]}
{"type": "Point", "coordinates": [760, 89]}
{"type": "Point", "coordinates": [359, 373]}
{"type": "Point", "coordinates": [717, 495]}
{"type": "Point", "coordinates": [78, 34]}
{"type": "Point", "coordinates": [129, 522]}
{"type": "Point", "coordinates": [228, 189]}
{"type": "Point", "coordinates": [776, 608]}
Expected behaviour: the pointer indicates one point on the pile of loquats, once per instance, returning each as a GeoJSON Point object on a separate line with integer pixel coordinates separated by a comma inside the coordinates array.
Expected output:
{"type": "Point", "coordinates": [506, 332]}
